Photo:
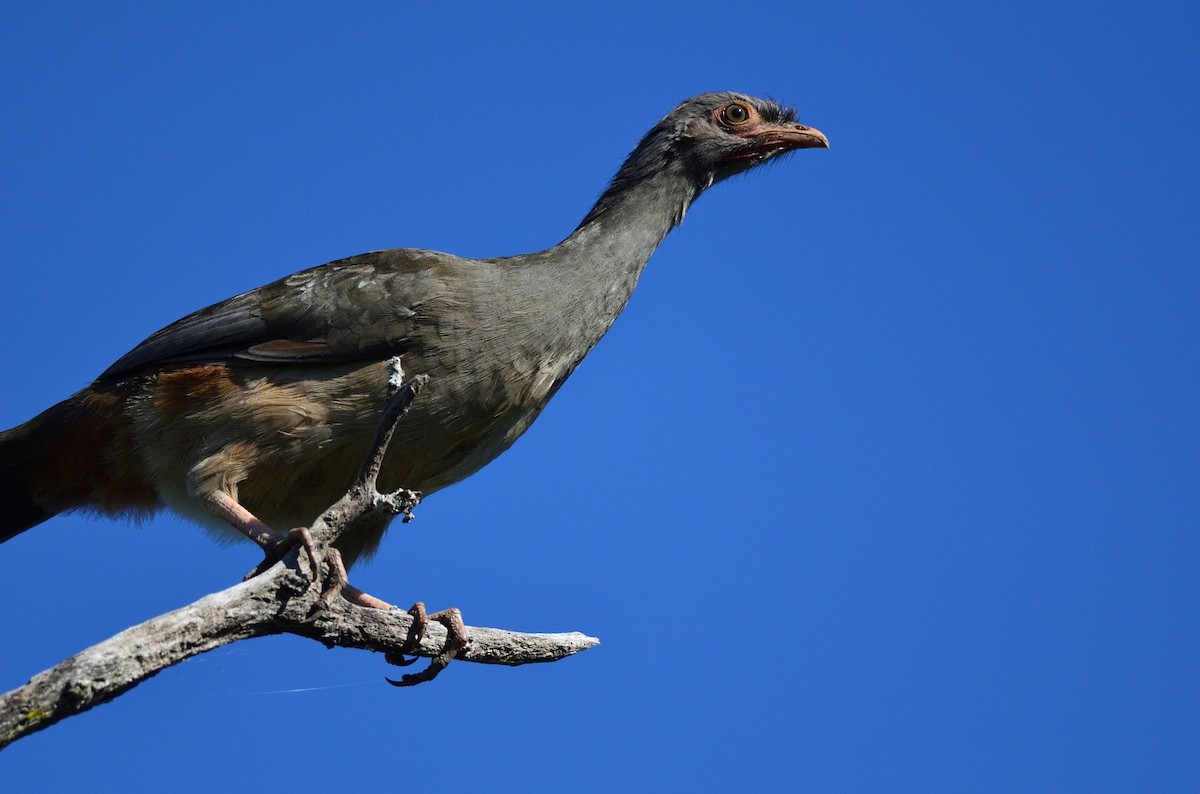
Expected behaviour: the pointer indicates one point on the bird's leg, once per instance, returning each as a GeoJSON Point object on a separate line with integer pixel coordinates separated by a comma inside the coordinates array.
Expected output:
{"type": "Point", "coordinates": [275, 543]}
{"type": "Point", "coordinates": [356, 596]}
{"type": "Point", "coordinates": [338, 584]}
{"type": "Point", "coordinates": [456, 640]}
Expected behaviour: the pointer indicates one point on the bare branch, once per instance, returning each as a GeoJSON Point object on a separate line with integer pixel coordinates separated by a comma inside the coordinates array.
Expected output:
{"type": "Point", "coordinates": [281, 599]}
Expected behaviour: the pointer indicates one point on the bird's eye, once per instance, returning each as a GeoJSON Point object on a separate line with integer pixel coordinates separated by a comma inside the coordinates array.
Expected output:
{"type": "Point", "coordinates": [735, 114]}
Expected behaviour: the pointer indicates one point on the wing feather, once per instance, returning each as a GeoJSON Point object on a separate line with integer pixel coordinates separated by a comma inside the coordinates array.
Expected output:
{"type": "Point", "coordinates": [353, 309]}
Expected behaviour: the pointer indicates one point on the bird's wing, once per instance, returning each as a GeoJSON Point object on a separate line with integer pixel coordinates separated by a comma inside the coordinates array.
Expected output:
{"type": "Point", "coordinates": [363, 307]}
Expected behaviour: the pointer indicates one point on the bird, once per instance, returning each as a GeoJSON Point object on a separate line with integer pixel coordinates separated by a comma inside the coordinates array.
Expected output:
{"type": "Point", "coordinates": [253, 415]}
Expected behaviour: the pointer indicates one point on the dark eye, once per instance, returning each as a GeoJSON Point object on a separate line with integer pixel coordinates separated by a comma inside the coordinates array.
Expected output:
{"type": "Point", "coordinates": [735, 114]}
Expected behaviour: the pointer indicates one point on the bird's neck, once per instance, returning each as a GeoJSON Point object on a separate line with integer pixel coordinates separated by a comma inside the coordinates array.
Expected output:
{"type": "Point", "coordinates": [611, 246]}
{"type": "Point", "coordinates": [596, 268]}
{"type": "Point", "coordinates": [644, 201]}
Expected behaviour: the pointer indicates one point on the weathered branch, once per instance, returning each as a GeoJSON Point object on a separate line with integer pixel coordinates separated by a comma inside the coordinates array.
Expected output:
{"type": "Point", "coordinates": [279, 601]}
{"type": "Point", "coordinates": [282, 599]}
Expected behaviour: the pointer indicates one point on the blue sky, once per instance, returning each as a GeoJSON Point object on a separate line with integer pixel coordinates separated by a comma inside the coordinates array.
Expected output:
{"type": "Point", "coordinates": [885, 480]}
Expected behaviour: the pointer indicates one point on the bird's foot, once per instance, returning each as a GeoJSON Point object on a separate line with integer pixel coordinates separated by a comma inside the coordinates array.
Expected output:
{"type": "Point", "coordinates": [456, 640]}
{"type": "Point", "coordinates": [337, 584]}
{"type": "Point", "coordinates": [278, 545]}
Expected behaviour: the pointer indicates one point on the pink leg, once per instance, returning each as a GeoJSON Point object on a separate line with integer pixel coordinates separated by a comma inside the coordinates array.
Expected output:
{"type": "Point", "coordinates": [274, 542]}
{"type": "Point", "coordinates": [339, 584]}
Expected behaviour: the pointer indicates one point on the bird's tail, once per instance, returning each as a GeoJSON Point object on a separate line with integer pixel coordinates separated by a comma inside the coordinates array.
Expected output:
{"type": "Point", "coordinates": [68, 457]}
{"type": "Point", "coordinates": [20, 450]}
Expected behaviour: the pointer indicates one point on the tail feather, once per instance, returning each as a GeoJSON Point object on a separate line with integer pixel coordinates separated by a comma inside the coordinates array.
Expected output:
{"type": "Point", "coordinates": [77, 454]}
{"type": "Point", "coordinates": [20, 516]}
{"type": "Point", "coordinates": [20, 508]}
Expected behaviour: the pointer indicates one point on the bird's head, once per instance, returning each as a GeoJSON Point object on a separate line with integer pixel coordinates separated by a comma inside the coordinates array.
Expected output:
{"type": "Point", "coordinates": [705, 139]}
{"type": "Point", "coordinates": [721, 134]}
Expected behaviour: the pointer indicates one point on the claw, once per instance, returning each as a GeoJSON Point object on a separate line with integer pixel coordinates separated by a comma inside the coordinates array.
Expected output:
{"type": "Point", "coordinates": [456, 640]}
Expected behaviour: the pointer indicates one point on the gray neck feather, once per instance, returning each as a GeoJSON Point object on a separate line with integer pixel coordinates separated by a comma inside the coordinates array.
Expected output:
{"type": "Point", "coordinates": [590, 276]}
